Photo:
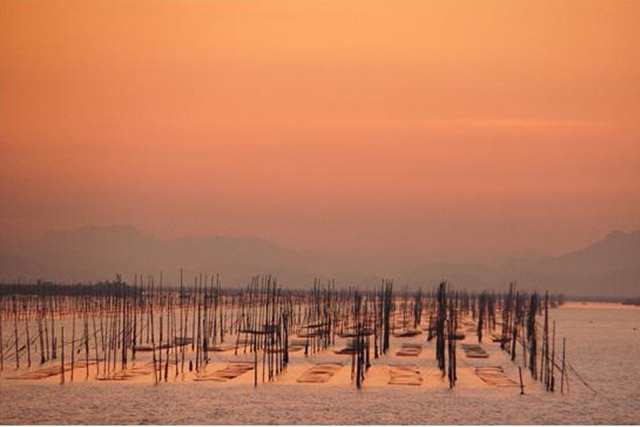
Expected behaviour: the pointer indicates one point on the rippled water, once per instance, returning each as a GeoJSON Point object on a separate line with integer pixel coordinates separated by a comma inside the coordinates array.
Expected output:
{"type": "Point", "coordinates": [602, 345]}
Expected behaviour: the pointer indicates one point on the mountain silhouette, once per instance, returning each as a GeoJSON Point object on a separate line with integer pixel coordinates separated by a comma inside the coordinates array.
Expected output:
{"type": "Point", "coordinates": [608, 267]}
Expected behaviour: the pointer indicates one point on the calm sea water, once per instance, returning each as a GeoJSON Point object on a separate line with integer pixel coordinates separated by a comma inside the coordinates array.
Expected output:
{"type": "Point", "coordinates": [602, 345]}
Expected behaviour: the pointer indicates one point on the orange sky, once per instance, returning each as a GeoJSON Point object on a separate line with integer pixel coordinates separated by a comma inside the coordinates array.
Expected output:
{"type": "Point", "coordinates": [450, 128]}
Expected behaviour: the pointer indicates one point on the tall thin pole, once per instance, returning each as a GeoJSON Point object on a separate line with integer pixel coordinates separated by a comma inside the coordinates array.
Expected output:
{"type": "Point", "coordinates": [62, 361]}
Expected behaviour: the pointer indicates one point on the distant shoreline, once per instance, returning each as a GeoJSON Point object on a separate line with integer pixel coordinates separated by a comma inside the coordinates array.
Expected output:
{"type": "Point", "coordinates": [600, 304]}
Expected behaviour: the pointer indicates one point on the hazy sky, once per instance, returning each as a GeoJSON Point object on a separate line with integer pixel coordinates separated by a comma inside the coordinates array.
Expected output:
{"type": "Point", "coordinates": [456, 128]}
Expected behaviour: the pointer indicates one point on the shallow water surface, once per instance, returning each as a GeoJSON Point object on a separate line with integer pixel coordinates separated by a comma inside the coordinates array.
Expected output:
{"type": "Point", "coordinates": [602, 345]}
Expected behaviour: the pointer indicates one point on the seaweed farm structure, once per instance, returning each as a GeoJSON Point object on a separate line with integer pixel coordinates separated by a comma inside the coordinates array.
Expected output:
{"type": "Point", "coordinates": [263, 333]}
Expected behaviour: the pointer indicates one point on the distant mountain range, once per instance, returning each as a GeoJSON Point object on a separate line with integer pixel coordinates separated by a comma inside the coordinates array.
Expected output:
{"type": "Point", "coordinates": [608, 267]}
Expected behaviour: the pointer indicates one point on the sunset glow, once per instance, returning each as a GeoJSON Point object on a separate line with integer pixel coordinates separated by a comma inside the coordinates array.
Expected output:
{"type": "Point", "coordinates": [447, 129]}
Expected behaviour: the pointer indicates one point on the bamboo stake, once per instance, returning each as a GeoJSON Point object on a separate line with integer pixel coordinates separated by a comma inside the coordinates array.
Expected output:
{"type": "Point", "coordinates": [1, 348]}
{"type": "Point", "coordinates": [73, 344]}
{"type": "Point", "coordinates": [15, 332]}
{"type": "Point", "coordinates": [41, 338]}
{"type": "Point", "coordinates": [62, 361]}
{"type": "Point", "coordinates": [564, 341]}
{"type": "Point", "coordinates": [521, 383]}
{"type": "Point", "coordinates": [26, 324]}
{"type": "Point", "coordinates": [86, 343]}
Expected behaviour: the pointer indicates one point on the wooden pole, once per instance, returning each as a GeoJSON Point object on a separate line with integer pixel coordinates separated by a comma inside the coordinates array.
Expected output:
{"type": "Point", "coordinates": [86, 343]}
{"type": "Point", "coordinates": [521, 383]}
{"type": "Point", "coordinates": [62, 351]}
{"type": "Point", "coordinates": [41, 338]}
{"type": "Point", "coordinates": [95, 343]}
{"type": "Point", "coordinates": [26, 324]}
{"type": "Point", "coordinates": [553, 357]}
{"type": "Point", "coordinates": [1, 348]}
{"type": "Point", "coordinates": [564, 341]}
{"type": "Point", "coordinates": [15, 332]}
{"type": "Point", "coordinates": [53, 335]}
{"type": "Point", "coordinates": [73, 343]}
